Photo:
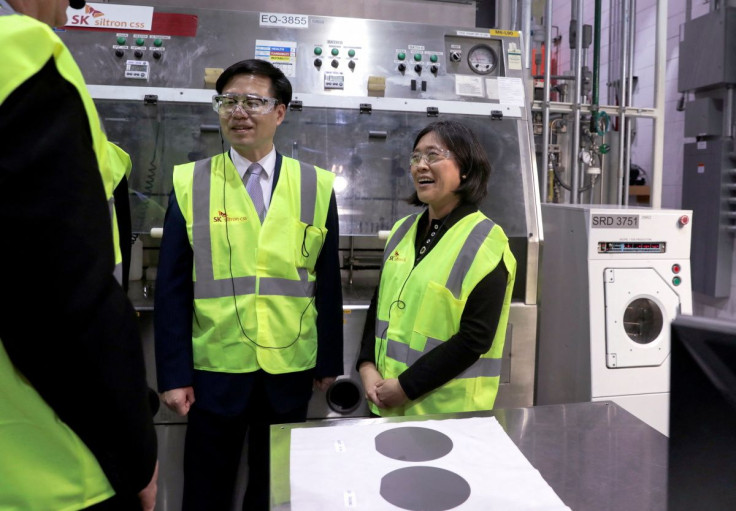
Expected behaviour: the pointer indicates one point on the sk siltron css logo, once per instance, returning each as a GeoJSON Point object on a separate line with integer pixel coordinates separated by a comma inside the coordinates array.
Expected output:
{"type": "Point", "coordinates": [396, 257]}
{"type": "Point", "coordinates": [83, 19]}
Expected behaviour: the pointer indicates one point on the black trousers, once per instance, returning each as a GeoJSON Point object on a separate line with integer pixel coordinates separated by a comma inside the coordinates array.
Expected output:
{"type": "Point", "coordinates": [212, 452]}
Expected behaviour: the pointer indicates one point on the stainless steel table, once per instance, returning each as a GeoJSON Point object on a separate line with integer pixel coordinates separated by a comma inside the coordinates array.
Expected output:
{"type": "Point", "coordinates": [596, 456]}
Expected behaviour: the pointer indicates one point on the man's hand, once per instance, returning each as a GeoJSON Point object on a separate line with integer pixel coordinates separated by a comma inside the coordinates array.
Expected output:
{"type": "Point", "coordinates": [370, 376]}
{"type": "Point", "coordinates": [179, 400]}
{"type": "Point", "coordinates": [390, 392]}
{"type": "Point", "coordinates": [324, 383]}
{"type": "Point", "coordinates": [147, 495]}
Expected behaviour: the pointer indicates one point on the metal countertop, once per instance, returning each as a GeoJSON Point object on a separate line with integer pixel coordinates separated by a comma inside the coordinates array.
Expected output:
{"type": "Point", "coordinates": [596, 456]}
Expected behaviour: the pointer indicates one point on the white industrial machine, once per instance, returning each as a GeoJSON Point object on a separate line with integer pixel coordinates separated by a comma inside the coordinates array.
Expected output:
{"type": "Point", "coordinates": [612, 280]}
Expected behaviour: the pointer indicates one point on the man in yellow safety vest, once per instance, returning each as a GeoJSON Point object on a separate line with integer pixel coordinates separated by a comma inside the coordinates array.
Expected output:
{"type": "Point", "coordinates": [76, 430]}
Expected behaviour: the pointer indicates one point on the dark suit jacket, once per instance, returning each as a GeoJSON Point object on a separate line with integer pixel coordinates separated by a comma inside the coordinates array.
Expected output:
{"type": "Point", "coordinates": [228, 393]}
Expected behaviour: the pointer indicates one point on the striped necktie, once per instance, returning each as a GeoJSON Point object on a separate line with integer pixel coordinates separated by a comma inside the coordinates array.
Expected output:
{"type": "Point", "coordinates": [253, 187]}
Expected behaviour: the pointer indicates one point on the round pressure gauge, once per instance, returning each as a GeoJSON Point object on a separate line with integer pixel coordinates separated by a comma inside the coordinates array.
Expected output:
{"type": "Point", "coordinates": [482, 59]}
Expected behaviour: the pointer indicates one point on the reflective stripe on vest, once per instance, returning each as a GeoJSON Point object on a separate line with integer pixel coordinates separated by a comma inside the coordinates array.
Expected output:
{"type": "Point", "coordinates": [118, 166]}
{"type": "Point", "coordinates": [118, 270]}
{"type": "Point", "coordinates": [398, 235]}
{"type": "Point", "coordinates": [488, 367]}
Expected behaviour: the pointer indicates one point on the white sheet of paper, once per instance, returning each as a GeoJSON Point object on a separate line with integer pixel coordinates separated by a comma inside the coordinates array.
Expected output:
{"type": "Point", "coordinates": [510, 91]}
{"type": "Point", "coordinates": [339, 468]}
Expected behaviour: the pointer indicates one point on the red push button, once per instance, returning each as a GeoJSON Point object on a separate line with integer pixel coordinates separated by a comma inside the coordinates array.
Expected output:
{"type": "Point", "coordinates": [676, 268]}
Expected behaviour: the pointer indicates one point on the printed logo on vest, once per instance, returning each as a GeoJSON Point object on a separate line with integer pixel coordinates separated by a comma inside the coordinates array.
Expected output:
{"type": "Point", "coordinates": [223, 217]}
{"type": "Point", "coordinates": [396, 257]}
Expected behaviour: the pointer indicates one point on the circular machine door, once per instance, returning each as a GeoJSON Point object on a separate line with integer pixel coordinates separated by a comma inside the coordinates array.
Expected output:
{"type": "Point", "coordinates": [639, 308]}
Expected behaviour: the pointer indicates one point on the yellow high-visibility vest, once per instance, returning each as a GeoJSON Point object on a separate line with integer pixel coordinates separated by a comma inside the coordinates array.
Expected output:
{"type": "Point", "coordinates": [254, 283]}
{"type": "Point", "coordinates": [420, 307]}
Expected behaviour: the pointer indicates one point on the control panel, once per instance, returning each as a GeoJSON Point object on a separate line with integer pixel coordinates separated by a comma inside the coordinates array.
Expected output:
{"type": "Point", "coordinates": [186, 48]}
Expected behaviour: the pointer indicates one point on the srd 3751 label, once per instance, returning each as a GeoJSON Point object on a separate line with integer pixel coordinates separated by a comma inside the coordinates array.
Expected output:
{"type": "Point", "coordinates": [615, 222]}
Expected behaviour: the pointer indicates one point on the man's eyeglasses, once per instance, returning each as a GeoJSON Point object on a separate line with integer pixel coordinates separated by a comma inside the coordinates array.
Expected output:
{"type": "Point", "coordinates": [251, 104]}
{"type": "Point", "coordinates": [432, 156]}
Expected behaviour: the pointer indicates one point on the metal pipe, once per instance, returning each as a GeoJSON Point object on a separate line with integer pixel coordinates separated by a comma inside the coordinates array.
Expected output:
{"type": "Point", "coordinates": [596, 53]}
{"type": "Point", "coordinates": [553, 77]}
{"type": "Point", "coordinates": [351, 257]}
{"type": "Point", "coordinates": [526, 24]}
{"type": "Point", "coordinates": [622, 100]}
{"type": "Point", "coordinates": [629, 95]}
{"type": "Point", "coordinates": [660, 65]}
{"type": "Point", "coordinates": [575, 167]}
{"type": "Point", "coordinates": [545, 106]}
{"type": "Point", "coordinates": [728, 112]}
{"type": "Point", "coordinates": [613, 22]}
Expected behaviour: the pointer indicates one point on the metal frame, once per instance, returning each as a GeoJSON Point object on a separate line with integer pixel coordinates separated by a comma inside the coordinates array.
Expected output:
{"type": "Point", "coordinates": [623, 111]}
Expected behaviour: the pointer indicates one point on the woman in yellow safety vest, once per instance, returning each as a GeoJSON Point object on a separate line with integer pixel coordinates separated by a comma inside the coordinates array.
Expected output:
{"type": "Point", "coordinates": [436, 327]}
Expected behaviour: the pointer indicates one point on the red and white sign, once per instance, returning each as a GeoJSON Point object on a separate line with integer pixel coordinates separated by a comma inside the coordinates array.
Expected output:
{"type": "Point", "coordinates": [120, 17]}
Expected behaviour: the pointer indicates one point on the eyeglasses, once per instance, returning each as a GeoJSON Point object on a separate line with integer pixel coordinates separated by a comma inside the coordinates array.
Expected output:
{"type": "Point", "coordinates": [251, 104]}
{"type": "Point", "coordinates": [431, 157]}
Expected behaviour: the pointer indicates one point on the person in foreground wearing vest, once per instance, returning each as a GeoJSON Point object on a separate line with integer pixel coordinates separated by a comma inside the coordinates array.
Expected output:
{"type": "Point", "coordinates": [76, 429]}
{"type": "Point", "coordinates": [248, 294]}
{"type": "Point", "coordinates": [436, 326]}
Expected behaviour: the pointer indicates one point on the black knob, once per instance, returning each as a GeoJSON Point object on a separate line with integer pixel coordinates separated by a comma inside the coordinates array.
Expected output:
{"type": "Point", "coordinates": [351, 64]}
{"type": "Point", "coordinates": [318, 62]}
{"type": "Point", "coordinates": [156, 54]}
{"type": "Point", "coordinates": [334, 63]}
{"type": "Point", "coordinates": [119, 53]}
{"type": "Point", "coordinates": [402, 67]}
{"type": "Point", "coordinates": [433, 69]}
{"type": "Point", "coordinates": [138, 54]}
{"type": "Point", "coordinates": [418, 68]}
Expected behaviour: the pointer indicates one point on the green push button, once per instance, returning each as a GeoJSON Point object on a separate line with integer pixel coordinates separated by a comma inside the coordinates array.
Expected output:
{"type": "Point", "coordinates": [351, 53]}
{"type": "Point", "coordinates": [401, 55]}
{"type": "Point", "coordinates": [121, 40]}
{"type": "Point", "coordinates": [433, 58]}
{"type": "Point", "coordinates": [318, 51]}
{"type": "Point", "coordinates": [335, 51]}
{"type": "Point", "coordinates": [676, 281]}
{"type": "Point", "coordinates": [157, 42]}
{"type": "Point", "coordinates": [139, 41]}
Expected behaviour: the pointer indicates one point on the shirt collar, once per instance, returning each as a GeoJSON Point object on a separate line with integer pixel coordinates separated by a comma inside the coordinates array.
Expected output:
{"type": "Point", "coordinates": [461, 211]}
{"type": "Point", "coordinates": [5, 6]}
{"type": "Point", "coordinates": [241, 163]}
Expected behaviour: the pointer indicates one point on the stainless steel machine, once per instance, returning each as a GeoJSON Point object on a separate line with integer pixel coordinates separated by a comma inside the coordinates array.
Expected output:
{"type": "Point", "coordinates": [362, 90]}
{"type": "Point", "coordinates": [614, 279]}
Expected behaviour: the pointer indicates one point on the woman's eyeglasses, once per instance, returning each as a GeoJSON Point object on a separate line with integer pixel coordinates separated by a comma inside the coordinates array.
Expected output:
{"type": "Point", "coordinates": [432, 156]}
